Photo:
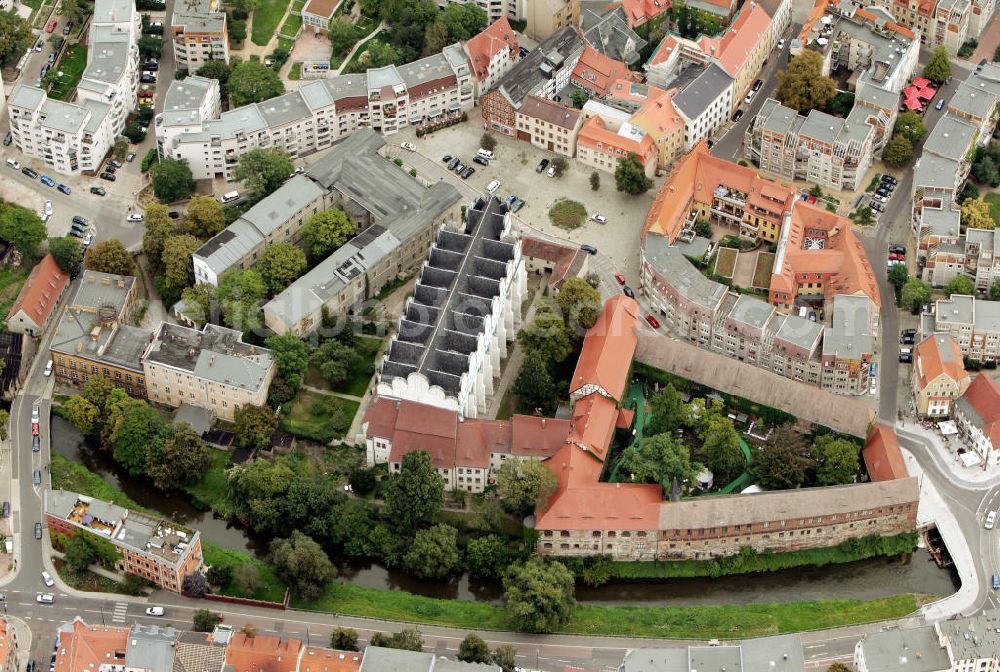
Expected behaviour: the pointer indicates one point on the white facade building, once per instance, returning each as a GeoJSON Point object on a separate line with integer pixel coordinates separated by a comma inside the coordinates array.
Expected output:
{"type": "Point", "coordinates": [705, 104]}
{"type": "Point", "coordinates": [319, 113]}
{"type": "Point", "coordinates": [465, 310]}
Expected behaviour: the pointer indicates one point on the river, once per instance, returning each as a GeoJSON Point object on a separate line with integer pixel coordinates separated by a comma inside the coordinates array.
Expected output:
{"type": "Point", "coordinates": [865, 579]}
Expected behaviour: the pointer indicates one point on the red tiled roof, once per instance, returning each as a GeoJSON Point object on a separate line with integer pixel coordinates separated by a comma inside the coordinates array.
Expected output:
{"type": "Point", "coordinates": [492, 40]}
{"type": "Point", "coordinates": [882, 455]}
{"type": "Point", "coordinates": [596, 72]}
{"type": "Point", "coordinates": [740, 39]}
{"type": "Point", "coordinates": [381, 417]}
{"type": "Point", "coordinates": [984, 396]}
{"type": "Point", "coordinates": [596, 135]}
{"type": "Point", "coordinates": [262, 653]}
{"type": "Point", "coordinates": [593, 424]}
{"type": "Point", "coordinates": [478, 438]}
{"type": "Point", "coordinates": [316, 659]}
{"type": "Point", "coordinates": [638, 12]}
{"type": "Point", "coordinates": [537, 437]}
{"type": "Point", "coordinates": [41, 291]}
{"type": "Point", "coordinates": [938, 355]}
{"type": "Point", "coordinates": [608, 348]}
{"type": "Point", "coordinates": [86, 647]}
{"type": "Point", "coordinates": [546, 110]}
{"type": "Point", "coordinates": [425, 427]}
{"type": "Point", "coordinates": [322, 8]}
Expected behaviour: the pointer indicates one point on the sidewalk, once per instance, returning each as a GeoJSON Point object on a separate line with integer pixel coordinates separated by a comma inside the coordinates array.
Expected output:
{"type": "Point", "coordinates": [946, 459]}
{"type": "Point", "coordinates": [933, 510]}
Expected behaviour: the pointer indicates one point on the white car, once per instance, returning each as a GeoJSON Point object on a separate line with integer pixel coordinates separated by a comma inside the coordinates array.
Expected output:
{"type": "Point", "coordinates": [14, 163]}
{"type": "Point", "coordinates": [135, 217]}
{"type": "Point", "coordinates": [45, 598]}
{"type": "Point", "coordinates": [600, 219]}
{"type": "Point", "coordinates": [48, 369]}
{"type": "Point", "coordinates": [87, 240]}
{"type": "Point", "coordinates": [34, 413]}
{"type": "Point", "coordinates": [155, 611]}
{"type": "Point", "coordinates": [880, 199]}
{"type": "Point", "coordinates": [551, 172]}
{"type": "Point", "coordinates": [408, 145]}
{"type": "Point", "coordinates": [781, 44]}
{"type": "Point", "coordinates": [48, 208]}
{"type": "Point", "coordinates": [47, 578]}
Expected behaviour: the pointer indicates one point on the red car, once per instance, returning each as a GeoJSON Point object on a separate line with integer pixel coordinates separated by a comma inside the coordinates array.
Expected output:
{"type": "Point", "coordinates": [620, 278]}
{"type": "Point", "coordinates": [34, 429]}
{"type": "Point", "coordinates": [51, 26]}
{"type": "Point", "coordinates": [652, 322]}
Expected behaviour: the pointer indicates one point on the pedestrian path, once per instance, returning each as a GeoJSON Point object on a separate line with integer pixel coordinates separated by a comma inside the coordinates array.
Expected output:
{"type": "Point", "coordinates": [119, 615]}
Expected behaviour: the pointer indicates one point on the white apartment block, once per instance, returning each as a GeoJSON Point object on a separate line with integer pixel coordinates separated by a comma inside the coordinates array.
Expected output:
{"type": "Point", "coordinates": [817, 148]}
{"type": "Point", "coordinates": [464, 313]}
{"type": "Point", "coordinates": [495, 9]}
{"type": "Point", "coordinates": [212, 368]}
{"type": "Point", "coordinates": [956, 645]}
{"type": "Point", "coordinates": [705, 103]}
{"type": "Point", "coordinates": [75, 137]}
{"type": "Point", "coordinates": [319, 113]}
{"type": "Point", "coordinates": [973, 323]}
{"type": "Point", "coordinates": [199, 38]}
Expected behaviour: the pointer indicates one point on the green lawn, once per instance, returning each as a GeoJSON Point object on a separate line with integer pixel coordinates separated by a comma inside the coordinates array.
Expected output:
{"type": "Point", "coordinates": [295, 72]}
{"type": "Point", "coordinates": [994, 200]}
{"type": "Point", "coordinates": [266, 16]}
{"type": "Point", "coordinates": [292, 26]}
{"type": "Point", "coordinates": [69, 475]}
{"type": "Point", "coordinates": [753, 620]}
{"type": "Point", "coordinates": [34, 4]}
{"type": "Point", "coordinates": [11, 280]}
{"type": "Point", "coordinates": [72, 65]}
{"type": "Point", "coordinates": [298, 5]}
{"type": "Point", "coordinates": [271, 587]}
{"type": "Point", "coordinates": [367, 25]}
{"type": "Point", "coordinates": [210, 491]}
{"type": "Point", "coordinates": [317, 417]}
{"type": "Point", "coordinates": [567, 214]}
{"type": "Point", "coordinates": [86, 580]}
{"type": "Point", "coordinates": [367, 347]}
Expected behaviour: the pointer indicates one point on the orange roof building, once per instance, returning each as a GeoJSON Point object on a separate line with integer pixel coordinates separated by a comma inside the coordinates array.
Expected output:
{"type": "Point", "coordinates": [492, 53]}
{"type": "Point", "coordinates": [977, 413]}
{"type": "Point", "coordinates": [638, 12]}
{"type": "Point", "coordinates": [559, 261]}
{"type": "Point", "coordinates": [882, 454]}
{"type": "Point", "coordinates": [604, 140]}
{"type": "Point", "coordinates": [743, 48]}
{"type": "Point", "coordinates": [33, 309]}
{"type": "Point", "coordinates": [702, 186]}
{"type": "Point", "coordinates": [663, 123]}
{"type": "Point", "coordinates": [818, 253]}
{"type": "Point", "coordinates": [316, 659]}
{"type": "Point", "coordinates": [88, 647]}
{"type": "Point", "coordinates": [262, 653]}
{"type": "Point", "coordinates": [9, 647]}
{"type": "Point", "coordinates": [607, 351]}
{"type": "Point", "coordinates": [939, 376]}
{"type": "Point", "coordinates": [595, 72]}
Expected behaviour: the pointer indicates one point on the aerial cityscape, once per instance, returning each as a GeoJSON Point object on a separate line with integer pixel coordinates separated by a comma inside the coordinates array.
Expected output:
{"type": "Point", "coordinates": [500, 336]}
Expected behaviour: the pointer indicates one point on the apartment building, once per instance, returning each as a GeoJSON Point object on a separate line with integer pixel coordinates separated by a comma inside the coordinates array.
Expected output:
{"type": "Point", "coordinates": [322, 112]}
{"type": "Point", "coordinates": [496, 10]}
{"type": "Point", "coordinates": [545, 71]}
{"type": "Point", "coordinates": [35, 304]}
{"type": "Point", "coordinates": [705, 103]}
{"type": "Point", "coordinates": [742, 48]}
{"type": "Point", "coordinates": [656, 114]}
{"type": "Point", "coordinates": [545, 18]}
{"type": "Point", "coordinates": [977, 414]}
{"type": "Point", "coordinates": [950, 254]}
{"type": "Point", "coordinates": [397, 216]}
{"type": "Point", "coordinates": [610, 34]}
{"type": "Point", "coordinates": [198, 31]}
{"type": "Point", "coordinates": [189, 103]}
{"type": "Point", "coordinates": [849, 344]}
{"type": "Point", "coordinates": [953, 645]}
{"type": "Point", "coordinates": [548, 125]}
{"type": "Point", "coordinates": [819, 148]}
{"type": "Point", "coordinates": [492, 53]}
{"type": "Point", "coordinates": [594, 72]}
{"type": "Point", "coordinates": [973, 323]}
{"type": "Point", "coordinates": [702, 186]}
{"type": "Point", "coordinates": [609, 136]}
{"type": "Point", "coordinates": [112, 72]}
{"type": "Point", "coordinates": [93, 336]}
{"type": "Point", "coordinates": [317, 15]}
{"type": "Point", "coordinates": [10, 648]}
{"type": "Point", "coordinates": [158, 550]}
{"type": "Point", "coordinates": [948, 23]}
{"type": "Point", "coordinates": [938, 376]}
{"type": "Point", "coordinates": [782, 653]}
{"type": "Point", "coordinates": [465, 312]}
{"type": "Point", "coordinates": [976, 100]}
{"type": "Point", "coordinates": [212, 368]}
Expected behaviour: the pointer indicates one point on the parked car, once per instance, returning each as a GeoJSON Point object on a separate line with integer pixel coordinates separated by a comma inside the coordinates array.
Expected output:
{"type": "Point", "coordinates": [898, 250]}
{"type": "Point", "coordinates": [38, 535]}
{"type": "Point", "coordinates": [551, 172]}
{"type": "Point", "coordinates": [7, 139]}
{"type": "Point", "coordinates": [48, 368]}
{"type": "Point", "coordinates": [64, 189]}
{"type": "Point", "coordinates": [111, 169]}
{"type": "Point", "coordinates": [60, 41]}
{"type": "Point", "coordinates": [52, 58]}
{"type": "Point", "coordinates": [87, 240]}
{"type": "Point", "coordinates": [453, 163]}
{"type": "Point", "coordinates": [173, 214]}
{"type": "Point", "coordinates": [589, 249]}
{"type": "Point", "coordinates": [600, 219]}
{"type": "Point", "coordinates": [14, 163]}
{"type": "Point", "coordinates": [940, 104]}
{"type": "Point", "coordinates": [890, 179]}
{"type": "Point", "coordinates": [39, 44]}
{"type": "Point", "coordinates": [468, 172]}
{"type": "Point", "coordinates": [48, 208]}
{"type": "Point", "coordinates": [880, 198]}
{"type": "Point", "coordinates": [115, 163]}
{"type": "Point", "coordinates": [627, 291]}
{"type": "Point", "coordinates": [100, 191]}
{"type": "Point", "coordinates": [653, 322]}
{"type": "Point", "coordinates": [155, 611]}
{"type": "Point", "coordinates": [50, 27]}
{"type": "Point", "coordinates": [152, 66]}
{"type": "Point", "coordinates": [877, 207]}
{"type": "Point", "coordinates": [996, 582]}
{"type": "Point", "coordinates": [737, 115]}
{"type": "Point", "coordinates": [36, 478]}
{"type": "Point", "coordinates": [36, 444]}
{"type": "Point", "coordinates": [135, 217]}
{"type": "Point", "coordinates": [781, 44]}
{"type": "Point", "coordinates": [619, 278]}
{"type": "Point", "coordinates": [110, 177]}
{"type": "Point", "coordinates": [77, 233]}
{"type": "Point", "coordinates": [29, 172]}
{"type": "Point", "coordinates": [147, 79]}
{"type": "Point", "coordinates": [446, 158]}
{"type": "Point", "coordinates": [77, 219]}
{"type": "Point", "coordinates": [518, 204]}
{"type": "Point", "coordinates": [460, 167]}
{"type": "Point", "coordinates": [759, 83]}
{"type": "Point", "coordinates": [408, 146]}
{"type": "Point", "coordinates": [130, 157]}
{"type": "Point", "coordinates": [542, 165]}
{"type": "Point", "coordinates": [481, 161]}
{"type": "Point", "coordinates": [48, 181]}
{"type": "Point", "coordinates": [68, 28]}
{"type": "Point", "coordinates": [34, 413]}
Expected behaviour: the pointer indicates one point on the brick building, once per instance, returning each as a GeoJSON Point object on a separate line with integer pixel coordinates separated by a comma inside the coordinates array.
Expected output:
{"type": "Point", "coordinates": [35, 305]}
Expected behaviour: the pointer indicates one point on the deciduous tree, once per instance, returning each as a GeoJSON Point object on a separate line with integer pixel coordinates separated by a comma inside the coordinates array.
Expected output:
{"type": "Point", "coordinates": [938, 68]}
{"type": "Point", "coordinates": [326, 231]}
{"type": "Point", "coordinates": [534, 383]}
{"type": "Point", "coordinates": [898, 151]}
{"type": "Point", "coordinates": [205, 217]}
{"type": "Point", "coordinates": [66, 252]}
{"type": "Point", "coordinates": [660, 459]}
{"type": "Point", "coordinates": [666, 411]}
{"type": "Point", "coordinates": [976, 214]}
{"type": "Point", "coordinates": [505, 656]}
{"type": "Point", "coordinates": [547, 334]}
{"type": "Point", "coordinates": [342, 35]}
{"type": "Point", "coordinates": [630, 176]}
{"type": "Point", "coordinates": [525, 484]}
{"type": "Point", "coordinates": [722, 451]}
{"type": "Point", "coordinates": [199, 302]}
{"type": "Point", "coordinates": [995, 290]}
{"type": "Point", "coordinates": [836, 460]}
{"type": "Point", "coordinates": [473, 649]}
{"type": "Point", "coordinates": [415, 493]}
{"type": "Point", "coordinates": [218, 70]}
{"type": "Point", "coordinates": [802, 85]}
{"type": "Point", "coordinates": [177, 266]}
{"type": "Point", "coordinates": [172, 180]}
{"type": "Point", "coordinates": [15, 37]}
{"type": "Point", "coordinates": [434, 552]}
{"type": "Point", "coordinates": [781, 463]}
{"type": "Point", "coordinates": [110, 256]}
{"type": "Point", "coordinates": [539, 595]}
{"type": "Point", "coordinates": [79, 554]}
{"type": "Point", "coordinates": [291, 356]}
{"type": "Point", "coordinates": [898, 275]}
{"type": "Point", "coordinates": [910, 126]}
{"type": "Point", "coordinates": [580, 303]}
{"type": "Point", "coordinates": [280, 265]}
{"type": "Point", "coordinates": [915, 295]}
{"type": "Point", "coordinates": [344, 639]}
{"type": "Point", "coordinates": [253, 82]}
{"type": "Point", "coordinates": [159, 227]}
{"type": "Point", "coordinates": [248, 579]}
{"type": "Point", "coordinates": [407, 639]}
{"type": "Point", "coordinates": [486, 557]}
{"type": "Point", "coordinates": [961, 284]}
{"type": "Point", "coordinates": [204, 620]}
{"type": "Point", "coordinates": [138, 429]}
{"type": "Point", "coordinates": [219, 575]}
{"type": "Point", "coordinates": [196, 585]}
{"type": "Point", "coordinates": [22, 228]}
{"type": "Point", "coordinates": [264, 170]}
{"type": "Point", "coordinates": [179, 460]}
{"type": "Point", "coordinates": [335, 361]}
{"type": "Point", "coordinates": [254, 426]}
{"type": "Point", "coordinates": [302, 564]}
{"type": "Point", "coordinates": [488, 141]}
{"type": "Point", "coordinates": [84, 415]}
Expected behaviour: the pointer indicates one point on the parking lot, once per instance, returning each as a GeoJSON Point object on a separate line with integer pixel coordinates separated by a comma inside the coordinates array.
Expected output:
{"type": "Point", "coordinates": [514, 166]}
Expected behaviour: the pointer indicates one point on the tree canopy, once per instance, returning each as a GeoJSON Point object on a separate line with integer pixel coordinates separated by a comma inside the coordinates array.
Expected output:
{"type": "Point", "coordinates": [580, 303]}
{"type": "Point", "coordinates": [291, 357]}
{"type": "Point", "coordinates": [960, 284]}
{"type": "Point", "coordinates": [534, 384]}
{"type": "Point", "coordinates": [15, 37]}
{"type": "Point", "coordinates": [264, 170]}
{"type": "Point", "coordinates": [67, 252]}
{"type": "Point", "coordinates": [253, 82]}
{"type": "Point", "coordinates": [915, 295]}
{"type": "Point", "coordinates": [802, 86]}
{"type": "Point", "coordinates": [976, 214]}
{"type": "Point", "coordinates": [898, 151]}
{"type": "Point", "coordinates": [172, 180]}
{"type": "Point", "coordinates": [630, 176]}
{"type": "Point", "coordinates": [547, 334]}
{"type": "Point", "coordinates": [110, 256]}
{"type": "Point", "coordinates": [302, 564]}
{"type": "Point", "coordinates": [666, 411]}
{"type": "Point", "coordinates": [204, 217]}
{"type": "Point", "coordinates": [178, 268]}
{"type": "Point", "coordinates": [539, 595]}
{"type": "Point", "coordinates": [938, 68]}
{"type": "Point", "coordinates": [836, 460]}
{"type": "Point", "coordinates": [21, 227]}
{"type": "Point", "coordinates": [434, 552]}
{"type": "Point", "coordinates": [781, 464]}
{"type": "Point", "coordinates": [254, 426]}
{"type": "Point", "coordinates": [415, 493]}
{"type": "Point", "coordinates": [660, 459]}
{"type": "Point", "coordinates": [326, 231]}
{"type": "Point", "coordinates": [280, 265]}
{"type": "Point", "coordinates": [525, 484]}
{"type": "Point", "coordinates": [910, 125]}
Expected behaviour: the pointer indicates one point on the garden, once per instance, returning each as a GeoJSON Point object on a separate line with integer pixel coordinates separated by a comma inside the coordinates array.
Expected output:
{"type": "Point", "coordinates": [64, 78]}
{"type": "Point", "coordinates": [568, 214]}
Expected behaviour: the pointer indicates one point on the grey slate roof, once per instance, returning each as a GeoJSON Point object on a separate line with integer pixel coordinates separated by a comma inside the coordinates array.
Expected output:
{"type": "Point", "coordinates": [932, 170]}
{"type": "Point", "coordinates": [440, 326]}
{"type": "Point", "coordinates": [611, 35]}
{"type": "Point", "coordinates": [849, 337]}
{"type": "Point", "coordinates": [208, 22]}
{"type": "Point", "coordinates": [822, 127]}
{"type": "Point", "coordinates": [377, 659]}
{"type": "Point", "coordinates": [228, 247]}
{"type": "Point", "coordinates": [672, 265]}
{"type": "Point", "coordinates": [875, 96]}
{"type": "Point", "coordinates": [275, 209]}
{"type": "Point", "coordinates": [214, 353]}
{"type": "Point", "coordinates": [529, 74]}
{"type": "Point", "coordinates": [697, 96]}
{"type": "Point", "coordinates": [941, 222]}
{"type": "Point", "coordinates": [798, 331]}
{"type": "Point", "coordinates": [950, 138]}
{"type": "Point", "coordinates": [782, 653]}
{"type": "Point", "coordinates": [751, 311]}
{"type": "Point", "coordinates": [974, 637]}
{"type": "Point", "coordinates": [896, 650]}
{"type": "Point", "coordinates": [150, 648]}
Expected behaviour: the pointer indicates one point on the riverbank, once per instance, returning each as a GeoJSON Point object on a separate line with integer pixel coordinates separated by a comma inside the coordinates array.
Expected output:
{"type": "Point", "coordinates": [681, 622]}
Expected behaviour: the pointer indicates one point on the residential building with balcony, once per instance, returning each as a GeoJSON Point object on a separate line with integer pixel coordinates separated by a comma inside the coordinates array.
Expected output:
{"type": "Point", "coordinates": [977, 100]}
{"type": "Point", "coordinates": [545, 18]}
{"type": "Point", "coordinates": [947, 23]}
{"type": "Point", "coordinates": [977, 414]}
{"type": "Point", "coordinates": [317, 15]}
{"type": "Point", "coordinates": [212, 369]}
{"type": "Point", "coordinates": [492, 53]}
{"type": "Point", "coordinates": [158, 550]}
{"type": "Point", "coordinates": [322, 112]}
{"type": "Point", "coordinates": [849, 344]}
{"type": "Point", "coordinates": [818, 148]}
{"type": "Point", "coordinates": [495, 9]}
{"type": "Point", "coordinates": [939, 376]}
{"type": "Point", "coordinates": [973, 323]}
{"type": "Point", "coordinates": [464, 314]}
{"type": "Point", "coordinates": [548, 125]}
{"type": "Point", "coordinates": [198, 31]}
{"type": "Point", "coordinates": [94, 336]}
{"type": "Point", "coordinates": [609, 136]}
{"type": "Point", "coordinates": [188, 104]}
{"type": "Point", "coordinates": [656, 114]}
{"type": "Point", "coordinates": [545, 71]}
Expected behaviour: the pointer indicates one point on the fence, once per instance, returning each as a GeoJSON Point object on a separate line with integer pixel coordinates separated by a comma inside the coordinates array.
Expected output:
{"type": "Point", "coordinates": [248, 602]}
